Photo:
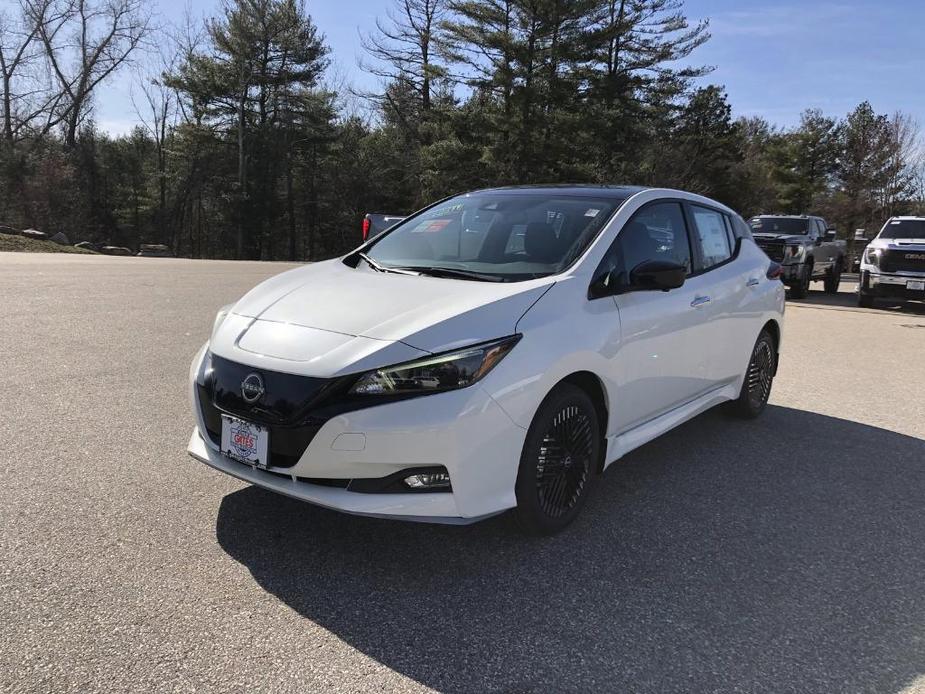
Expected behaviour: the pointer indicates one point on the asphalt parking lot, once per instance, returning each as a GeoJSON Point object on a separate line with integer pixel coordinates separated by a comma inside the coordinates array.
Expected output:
{"type": "Point", "coordinates": [781, 555]}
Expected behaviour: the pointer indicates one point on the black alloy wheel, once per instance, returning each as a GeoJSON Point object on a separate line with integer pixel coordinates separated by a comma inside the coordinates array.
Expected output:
{"type": "Point", "coordinates": [559, 462]}
{"type": "Point", "coordinates": [756, 389]}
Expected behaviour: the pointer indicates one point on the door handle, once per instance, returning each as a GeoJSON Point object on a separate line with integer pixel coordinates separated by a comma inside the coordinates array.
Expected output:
{"type": "Point", "coordinates": [753, 282]}
{"type": "Point", "coordinates": [700, 301]}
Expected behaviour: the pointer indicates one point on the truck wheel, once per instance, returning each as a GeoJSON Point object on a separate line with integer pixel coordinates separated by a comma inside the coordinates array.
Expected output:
{"type": "Point", "coordinates": [756, 388]}
{"type": "Point", "coordinates": [833, 278]}
{"type": "Point", "coordinates": [800, 288]}
{"type": "Point", "coordinates": [865, 300]}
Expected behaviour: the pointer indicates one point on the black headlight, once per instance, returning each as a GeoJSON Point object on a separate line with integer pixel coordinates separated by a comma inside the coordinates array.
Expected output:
{"type": "Point", "coordinates": [449, 371]}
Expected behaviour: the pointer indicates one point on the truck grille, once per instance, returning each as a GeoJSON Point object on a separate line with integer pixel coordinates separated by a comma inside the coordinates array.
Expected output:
{"type": "Point", "coordinates": [900, 260]}
{"type": "Point", "coordinates": [775, 251]}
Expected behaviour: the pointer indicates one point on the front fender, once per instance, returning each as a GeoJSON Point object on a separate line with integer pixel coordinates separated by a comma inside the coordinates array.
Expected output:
{"type": "Point", "coordinates": [547, 353]}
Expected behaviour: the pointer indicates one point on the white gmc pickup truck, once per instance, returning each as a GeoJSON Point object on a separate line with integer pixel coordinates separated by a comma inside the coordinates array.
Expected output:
{"type": "Point", "coordinates": [893, 265]}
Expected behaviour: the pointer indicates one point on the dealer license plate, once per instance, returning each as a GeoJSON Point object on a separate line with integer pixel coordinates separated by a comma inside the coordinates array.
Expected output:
{"type": "Point", "coordinates": [916, 286]}
{"type": "Point", "coordinates": [245, 441]}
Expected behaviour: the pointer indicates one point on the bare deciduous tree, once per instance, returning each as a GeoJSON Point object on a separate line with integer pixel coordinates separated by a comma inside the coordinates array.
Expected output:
{"type": "Point", "coordinates": [84, 42]}
{"type": "Point", "coordinates": [404, 46]}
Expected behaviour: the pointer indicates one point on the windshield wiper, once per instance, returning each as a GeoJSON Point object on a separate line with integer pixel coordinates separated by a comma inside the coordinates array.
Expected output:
{"type": "Point", "coordinates": [455, 272]}
{"type": "Point", "coordinates": [382, 268]}
{"type": "Point", "coordinates": [369, 261]}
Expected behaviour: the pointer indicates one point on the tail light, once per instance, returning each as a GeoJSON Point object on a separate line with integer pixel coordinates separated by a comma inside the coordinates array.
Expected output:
{"type": "Point", "coordinates": [775, 271]}
{"type": "Point", "coordinates": [365, 227]}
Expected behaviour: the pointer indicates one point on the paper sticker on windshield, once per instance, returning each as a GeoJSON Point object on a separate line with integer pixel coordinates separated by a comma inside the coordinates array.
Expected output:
{"type": "Point", "coordinates": [431, 226]}
{"type": "Point", "coordinates": [896, 221]}
{"type": "Point", "coordinates": [593, 212]}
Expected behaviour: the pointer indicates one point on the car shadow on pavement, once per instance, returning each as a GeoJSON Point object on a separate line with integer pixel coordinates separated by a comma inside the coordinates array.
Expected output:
{"type": "Point", "coordinates": [780, 555]}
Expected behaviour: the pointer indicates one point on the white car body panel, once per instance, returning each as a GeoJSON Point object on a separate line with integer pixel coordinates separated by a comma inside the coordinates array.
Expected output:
{"type": "Point", "coordinates": [660, 358]}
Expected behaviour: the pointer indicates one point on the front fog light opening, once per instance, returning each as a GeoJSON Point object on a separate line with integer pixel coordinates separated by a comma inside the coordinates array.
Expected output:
{"type": "Point", "coordinates": [428, 480]}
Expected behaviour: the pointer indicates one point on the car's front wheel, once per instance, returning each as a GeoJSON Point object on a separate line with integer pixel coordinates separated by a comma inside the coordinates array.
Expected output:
{"type": "Point", "coordinates": [756, 389]}
{"type": "Point", "coordinates": [559, 462]}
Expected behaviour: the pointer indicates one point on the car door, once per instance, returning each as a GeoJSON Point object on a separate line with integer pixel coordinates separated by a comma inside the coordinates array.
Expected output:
{"type": "Point", "coordinates": [661, 362]}
{"type": "Point", "coordinates": [728, 318]}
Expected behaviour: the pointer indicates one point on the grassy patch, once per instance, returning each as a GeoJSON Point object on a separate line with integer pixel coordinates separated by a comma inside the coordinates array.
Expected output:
{"type": "Point", "coordinates": [22, 244]}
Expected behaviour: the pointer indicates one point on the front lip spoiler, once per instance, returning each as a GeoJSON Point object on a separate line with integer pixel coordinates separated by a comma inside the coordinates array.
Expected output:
{"type": "Point", "coordinates": [200, 450]}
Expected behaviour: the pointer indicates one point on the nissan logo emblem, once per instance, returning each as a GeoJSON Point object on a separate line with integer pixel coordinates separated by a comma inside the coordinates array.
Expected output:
{"type": "Point", "coordinates": [252, 388]}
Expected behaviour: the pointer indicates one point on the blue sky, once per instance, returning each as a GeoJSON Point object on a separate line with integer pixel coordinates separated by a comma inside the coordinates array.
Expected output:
{"type": "Point", "coordinates": [775, 58]}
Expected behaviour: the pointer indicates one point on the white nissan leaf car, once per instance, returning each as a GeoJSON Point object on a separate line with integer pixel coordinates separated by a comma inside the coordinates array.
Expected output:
{"type": "Point", "coordinates": [494, 351]}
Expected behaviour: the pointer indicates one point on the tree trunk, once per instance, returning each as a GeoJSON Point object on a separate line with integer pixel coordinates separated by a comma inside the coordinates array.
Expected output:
{"type": "Point", "coordinates": [239, 246]}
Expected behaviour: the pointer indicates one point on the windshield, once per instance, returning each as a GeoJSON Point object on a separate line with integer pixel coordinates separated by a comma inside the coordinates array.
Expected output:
{"type": "Point", "coordinates": [779, 225]}
{"type": "Point", "coordinates": [497, 235]}
{"type": "Point", "coordinates": [904, 229]}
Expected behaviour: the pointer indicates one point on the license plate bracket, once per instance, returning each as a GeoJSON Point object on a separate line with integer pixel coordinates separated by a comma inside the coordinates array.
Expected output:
{"type": "Point", "coordinates": [246, 442]}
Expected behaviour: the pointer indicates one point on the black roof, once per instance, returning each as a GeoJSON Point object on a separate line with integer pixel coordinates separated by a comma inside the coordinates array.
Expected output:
{"type": "Point", "coordinates": [585, 190]}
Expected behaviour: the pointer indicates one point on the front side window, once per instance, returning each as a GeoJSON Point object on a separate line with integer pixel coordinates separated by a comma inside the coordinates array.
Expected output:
{"type": "Point", "coordinates": [500, 235]}
{"type": "Point", "coordinates": [710, 227]}
{"type": "Point", "coordinates": [657, 232]}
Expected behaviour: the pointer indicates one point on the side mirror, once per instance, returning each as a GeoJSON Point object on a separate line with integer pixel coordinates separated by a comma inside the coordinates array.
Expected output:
{"type": "Point", "coordinates": [831, 235]}
{"type": "Point", "coordinates": [603, 285]}
{"type": "Point", "coordinates": [657, 275]}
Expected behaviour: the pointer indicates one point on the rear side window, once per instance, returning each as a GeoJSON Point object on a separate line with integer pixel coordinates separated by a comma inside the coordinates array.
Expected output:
{"type": "Point", "coordinates": [710, 233]}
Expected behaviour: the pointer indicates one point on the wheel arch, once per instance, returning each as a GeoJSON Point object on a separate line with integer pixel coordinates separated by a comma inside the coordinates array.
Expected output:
{"type": "Point", "coordinates": [591, 384]}
{"type": "Point", "coordinates": [773, 327]}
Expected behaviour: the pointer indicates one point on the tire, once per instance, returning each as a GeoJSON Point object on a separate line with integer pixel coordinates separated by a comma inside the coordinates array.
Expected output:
{"type": "Point", "coordinates": [801, 288]}
{"type": "Point", "coordinates": [559, 462]}
{"type": "Point", "coordinates": [865, 300]}
{"type": "Point", "coordinates": [833, 278]}
{"type": "Point", "coordinates": [756, 388]}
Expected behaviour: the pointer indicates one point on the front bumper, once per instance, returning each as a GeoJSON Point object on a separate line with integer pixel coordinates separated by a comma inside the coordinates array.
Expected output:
{"type": "Point", "coordinates": [792, 272]}
{"type": "Point", "coordinates": [890, 285]}
{"type": "Point", "coordinates": [465, 431]}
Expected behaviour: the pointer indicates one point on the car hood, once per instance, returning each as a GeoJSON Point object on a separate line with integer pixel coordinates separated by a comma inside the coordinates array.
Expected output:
{"type": "Point", "coordinates": [328, 318]}
{"type": "Point", "coordinates": [912, 244]}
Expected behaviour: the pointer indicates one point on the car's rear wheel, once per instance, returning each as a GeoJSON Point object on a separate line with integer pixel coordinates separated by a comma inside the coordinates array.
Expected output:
{"type": "Point", "coordinates": [833, 278]}
{"type": "Point", "coordinates": [756, 389]}
{"type": "Point", "coordinates": [559, 462]}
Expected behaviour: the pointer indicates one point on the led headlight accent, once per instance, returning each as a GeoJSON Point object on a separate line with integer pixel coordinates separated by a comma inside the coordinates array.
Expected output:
{"type": "Point", "coordinates": [438, 373]}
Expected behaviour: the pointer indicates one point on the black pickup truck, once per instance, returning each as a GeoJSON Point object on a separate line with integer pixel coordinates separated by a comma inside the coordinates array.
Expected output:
{"type": "Point", "coordinates": [375, 223]}
{"type": "Point", "coordinates": [806, 247]}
